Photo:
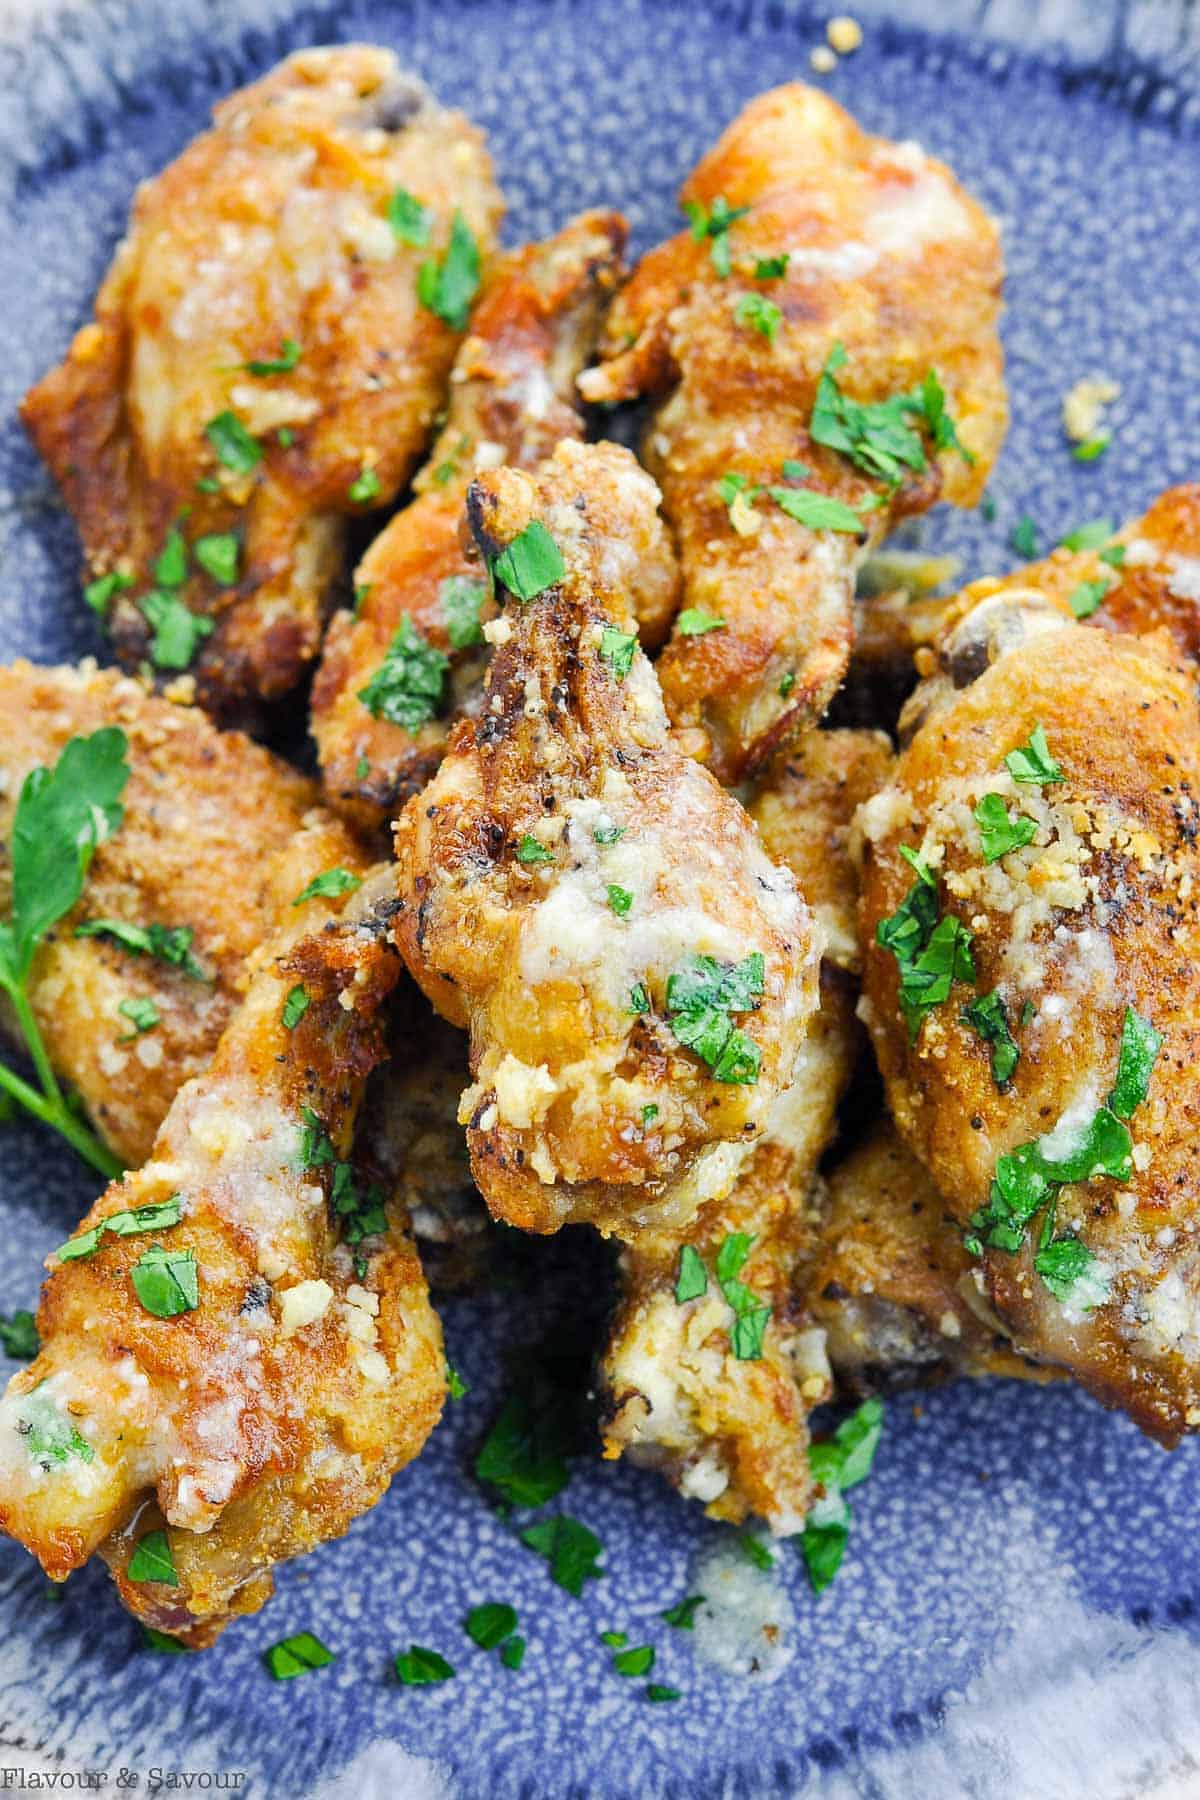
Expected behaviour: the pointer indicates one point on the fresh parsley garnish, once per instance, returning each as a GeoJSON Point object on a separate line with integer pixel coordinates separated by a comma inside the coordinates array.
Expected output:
{"type": "Point", "coordinates": [50, 1437]}
{"type": "Point", "coordinates": [533, 854]}
{"type": "Point", "coordinates": [693, 621]}
{"type": "Point", "coordinates": [358, 1215]}
{"type": "Point", "coordinates": [1023, 537]}
{"type": "Point", "coordinates": [1089, 536]}
{"type": "Point", "coordinates": [408, 686]}
{"type": "Point", "coordinates": [639, 1003]}
{"type": "Point", "coordinates": [365, 487]}
{"type": "Point", "coordinates": [1032, 763]}
{"type": "Point", "coordinates": [701, 997]}
{"type": "Point", "coordinates": [170, 568]}
{"type": "Point", "coordinates": [639, 1660]}
{"type": "Point", "coordinates": [158, 1215]}
{"type": "Point", "coordinates": [490, 1624]}
{"type": "Point", "coordinates": [620, 900]}
{"type": "Point", "coordinates": [683, 1614]}
{"type": "Point", "coordinates": [456, 1387]}
{"type": "Point", "coordinates": [608, 833]}
{"type": "Point", "coordinates": [761, 314]}
{"type": "Point", "coordinates": [420, 1667]}
{"type": "Point", "coordinates": [659, 1692]}
{"type": "Point", "coordinates": [692, 1280]}
{"type": "Point", "coordinates": [617, 649]}
{"type": "Point", "coordinates": [283, 364]}
{"type": "Point", "coordinates": [570, 1549]}
{"type": "Point", "coordinates": [328, 884]}
{"type": "Point", "coordinates": [217, 553]}
{"type": "Point", "coordinates": [817, 512]}
{"type": "Point", "coordinates": [1140, 1045]}
{"type": "Point", "coordinates": [524, 1457]}
{"type": "Point", "coordinates": [62, 815]}
{"type": "Point", "coordinates": [98, 593]}
{"type": "Point", "coordinates": [409, 218]}
{"type": "Point", "coordinates": [531, 563]}
{"type": "Point", "coordinates": [999, 832]}
{"type": "Point", "coordinates": [142, 1015]}
{"type": "Point", "coordinates": [167, 1282]}
{"type": "Point", "coordinates": [838, 1464]}
{"type": "Point", "coordinates": [771, 268]}
{"type": "Point", "coordinates": [461, 599]}
{"type": "Point", "coordinates": [296, 1655]}
{"type": "Point", "coordinates": [1088, 597]}
{"type": "Point", "coordinates": [448, 287]}
{"type": "Point", "coordinates": [713, 223]}
{"type": "Point", "coordinates": [169, 944]}
{"type": "Point", "coordinates": [152, 1560]}
{"type": "Point", "coordinates": [879, 437]}
{"type": "Point", "coordinates": [19, 1337]}
{"type": "Point", "coordinates": [987, 1017]}
{"type": "Point", "coordinates": [755, 1551]}
{"type": "Point", "coordinates": [512, 1652]}
{"type": "Point", "coordinates": [1092, 448]}
{"type": "Point", "coordinates": [931, 953]}
{"type": "Point", "coordinates": [234, 446]}
{"type": "Point", "coordinates": [163, 1642]}
{"type": "Point", "coordinates": [1113, 555]}
{"type": "Point", "coordinates": [295, 1006]}
{"type": "Point", "coordinates": [751, 1312]}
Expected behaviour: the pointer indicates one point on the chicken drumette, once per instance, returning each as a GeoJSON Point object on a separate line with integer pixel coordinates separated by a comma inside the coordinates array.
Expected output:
{"type": "Point", "coordinates": [267, 354]}
{"type": "Point", "coordinates": [395, 672]}
{"type": "Point", "coordinates": [635, 973]}
{"type": "Point", "coordinates": [825, 342]}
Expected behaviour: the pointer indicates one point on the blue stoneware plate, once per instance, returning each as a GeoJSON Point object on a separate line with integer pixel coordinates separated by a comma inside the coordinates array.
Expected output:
{"type": "Point", "coordinates": [1019, 1610]}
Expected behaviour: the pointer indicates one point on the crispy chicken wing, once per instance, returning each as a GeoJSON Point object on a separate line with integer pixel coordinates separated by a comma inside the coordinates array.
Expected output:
{"type": "Point", "coordinates": [1034, 993]}
{"type": "Point", "coordinates": [207, 816]}
{"type": "Point", "coordinates": [245, 1363]}
{"type": "Point", "coordinates": [808, 234]}
{"type": "Point", "coordinates": [261, 363]}
{"type": "Point", "coordinates": [635, 973]}
{"type": "Point", "coordinates": [714, 1394]}
{"type": "Point", "coordinates": [512, 398]}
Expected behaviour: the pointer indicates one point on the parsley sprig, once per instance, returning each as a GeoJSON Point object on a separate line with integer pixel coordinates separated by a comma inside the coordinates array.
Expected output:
{"type": "Point", "coordinates": [882, 437]}
{"type": "Point", "coordinates": [713, 223]}
{"type": "Point", "coordinates": [931, 953]}
{"type": "Point", "coordinates": [62, 815]}
{"type": "Point", "coordinates": [840, 1463]}
{"type": "Point", "coordinates": [751, 1313]}
{"type": "Point", "coordinates": [702, 995]}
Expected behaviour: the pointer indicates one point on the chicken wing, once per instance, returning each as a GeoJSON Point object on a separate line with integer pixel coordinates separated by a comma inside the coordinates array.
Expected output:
{"type": "Point", "coordinates": [207, 815]}
{"type": "Point", "coordinates": [635, 973]}
{"type": "Point", "coordinates": [1032, 987]}
{"type": "Point", "coordinates": [792, 334]}
{"type": "Point", "coordinates": [512, 398]}
{"type": "Point", "coordinates": [238, 1350]}
{"type": "Point", "coordinates": [714, 1365]}
{"type": "Point", "coordinates": [267, 355]}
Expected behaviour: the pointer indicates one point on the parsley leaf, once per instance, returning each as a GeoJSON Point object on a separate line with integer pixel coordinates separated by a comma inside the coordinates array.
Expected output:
{"type": "Point", "coordinates": [283, 364]}
{"type": "Point", "coordinates": [700, 996]}
{"type": "Point", "coordinates": [1092, 448]}
{"type": "Point", "coordinates": [999, 831]}
{"type": "Point", "coordinates": [987, 1017]}
{"type": "Point", "coordinates": [98, 593]}
{"type": "Point", "coordinates": [296, 1655]}
{"type": "Point", "coordinates": [490, 1624]}
{"type": "Point", "coordinates": [639, 1003]}
{"type": "Point", "coordinates": [234, 446]}
{"type": "Point", "coordinates": [620, 900]}
{"type": "Point", "coordinates": [817, 512]}
{"type": "Point", "coordinates": [152, 1560]}
{"type": "Point", "coordinates": [49, 1436]}
{"type": "Point", "coordinates": [878, 437]}
{"type": "Point", "coordinates": [448, 287]}
{"type": "Point", "coordinates": [837, 1464]}
{"type": "Point", "coordinates": [456, 1387]}
{"type": "Point", "coordinates": [163, 1642]}
{"type": "Point", "coordinates": [409, 218]}
{"type": "Point", "coordinates": [524, 1456]}
{"type": "Point", "coordinates": [771, 268]}
{"type": "Point", "coordinates": [1140, 1045]}
{"type": "Point", "coordinates": [365, 487]}
{"type": "Point", "coordinates": [217, 553]}
{"type": "Point", "coordinates": [1090, 536]}
{"type": "Point", "coordinates": [461, 599]}
{"type": "Point", "coordinates": [166, 1282]}
{"type": "Point", "coordinates": [682, 1616]}
{"type": "Point", "coordinates": [178, 631]}
{"type": "Point", "coordinates": [1087, 598]}
{"type": "Point", "coordinates": [931, 954]}
{"type": "Point", "coordinates": [713, 223]}
{"type": "Point", "coordinates": [693, 621]}
{"type": "Point", "coordinates": [608, 833]}
{"type": "Point", "coordinates": [159, 1215]}
{"type": "Point", "coordinates": [658, 1691]}
{"type": "Point", "coordinates": [170, 569]}
{"type": "Point", "coordinates": [570, 1549]}
{"type": "Point", "coordinates": [1033, 763]}
{"type": "Point", "coordinates": [1063, 1264]}
{"type": "Point", "coordinates": [512, 1653]}
{"type": "Point", "coordinates": [295, 1006]}
{"type": "Point", "coordinates": [1023, 537]}
{"type": "Point", "coordinates": [755, 1551]}
{"type": "Point", "coordinates": [617, 649]}
{"type": "Point", "coordinates": [533, 854]}
{"type": "Point", "coordinates": [328, 884]}
{"type": "Point", "coordinates": [636, 1661]}
{"type": "Point", "coordinates": [142, 1015]}
{"type": "Point", "coordinates": [170, 944]}
{"type": "Point", "coordinates": [531, 563]}
{"type": "Point", "coordinates": [761, 314]}
{"type": "Point", "coordinates": [692, 1280]}
{"type": "Point", "coordinates": [419, 1667]}
{"type": "Point", "coordinates": [18, 1336]}
{"type": "Point", "coordinates": [751, 1313]}
{"type": "Point", "coordinates": [408, 686]}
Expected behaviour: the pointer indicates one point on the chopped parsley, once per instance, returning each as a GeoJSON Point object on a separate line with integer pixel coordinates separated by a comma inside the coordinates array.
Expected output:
{"type": "Point", "coordinates": [169, 944]}
{"type": "Point", "coordinates": [365, 487]}
{"type": "Point", "coordinates": [787, 684]}
{"type": "Point", "coordinates": [692, 1280]}
{"type": "Point", "coordinates": [170, 568]}
{"type": "Point", "coordinates": [988, 1018]}
{"type": "Point", "coordinates": [295, 1006]}
{"type": "Point", "coordinates": [761, 314]}
{"type": "Point", "coordinates": [461, 599]}
{"type": "Point", "coordinates": [840, 1463]}
{"type": "Point", "coordinates": [755, 1551]}
{"type": "Point", "coordinates": [524, 1457]}
{"type": "Point", "coordinates": [1088, 597]}
{"type": "Point", "coordinates": [1033, 763]}
{"type": "Point", "coordinates": [817, 512]}
{"type": "Point", "coordinates": [408, 686]}
{"type": "Point", "coordinates": [409, 218]}
{"type": "Point", "coordinates": [999, 832]}
{"type": "Point", "coordinates": [328, 884]}
{"type": "Point", "coordinates": [359, 1215]}
{"type": "Point", "coordinates": [570, 1549]}
{"type": "Point", "coordinates": [19, 1337]}
{"type": "Point", "coordinates": [166, 1282]}
{"type": "Point", "coordinates": [649, 1113]}
{"type": "Point", "coordinates": [713, 223]}
{"type": "Point", "coordinates": [531, 853]}
{"type": "Point", "coordinates": [62, 815]}
{"type": "Point", "coordinates": [142, 1015]}
{"type": "Point", "coordinates": [420, 1667]}
{"type": "Point", "coordinates": [531, 564]}
{"type": "Point", "coordinates": [693, 621]}
{"type": "Point", "coordinates": [1140, 1045]}
{"type": "Point", "coordinates": [639, 1003]}
{"type": "Point", "coordinates": [1089, 536]}
{"type": "Point", "coordinates": [608, 833]}
{"type": "Point", "coordinates": [879, 437]}
{"type": "Point", "coordinates": [217, 553]}
{"type": "Point", "coordinates": [49, 1435]}
{"type": "Point", "coordinates": [701, 996]}
{"type": "Point", "coordinates": [162, 1642]}
{"type": "Point", "coordinates": [234, 446]}
{"type": "Point", "coordinates": [512, 1653]}
{"type": "Point", "coordinates": [456, 1387]}
{"type": "Point", "coordinates": [283, 364]}
{"type": "Point", "coordinates": [178, 632]}
{"type": "Point", "coordinates": [620, 900]}
{"type": "Point", "coordinates": [659, 1692]}
{"type": "Point", "coordinates": [636, 1661]}
{"type": "Point", "coordinates": [98, 593]}
{"type": "Point", "coordinates": [617, 649]}
{"type": "Point", "coordinates": [490, 1624]}
{"type": "Point", "coordinates": [159, 1215]}
{"type": "Point", "coordinates": [448, 287]}
{"type": "Point", "coordinates": [931, 953]}
{"type": "Point", "coordinates": [1092, 448]}
{"type": "Point", "coordinates": [682, 1616]}
{"type": "Point", "coordinates": [750, 1312]}
{"type": "Point", "coordinates": [152, 1560]}
{"type": "Point", "coordinates": [296, 1655]}
{"type": "Point", "coordinates": [1113, 555]}
{"type": "Point", "coordinates": [362, 768]}
{"type": "Point", "coordinates": [1023, 537]}
{"type": "Point", "coordinates": [771, 268]}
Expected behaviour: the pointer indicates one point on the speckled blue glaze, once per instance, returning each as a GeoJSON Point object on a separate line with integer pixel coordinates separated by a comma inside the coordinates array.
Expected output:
{"type": "Point", "coordinates": [1017, 1614]}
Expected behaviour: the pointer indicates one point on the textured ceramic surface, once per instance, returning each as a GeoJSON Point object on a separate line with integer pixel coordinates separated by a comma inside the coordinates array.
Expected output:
{"type": "Point", "coordinates": [1018, 1610]}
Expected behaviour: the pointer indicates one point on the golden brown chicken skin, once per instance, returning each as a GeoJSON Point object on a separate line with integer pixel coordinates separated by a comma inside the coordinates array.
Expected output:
{"type": "Point", "coordinates": [247, 1365]}
{"type": "Point", "coordinates": [207, 815]}
{"type": "Point", "coordinates": [718, 1400]}
{"type": "Point", "coordinates": [1034, 1000]}
{"type": "Point", "coordinates": [512, 398]}
{"type": "Point", "coordinates": [261, 365]}
{"type": "Point", "coordinates": [813, 241]}
{"type": "Point", "coordinates": [888, 1281]}
{"type": "Point", "coordinates": [566, 874]}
